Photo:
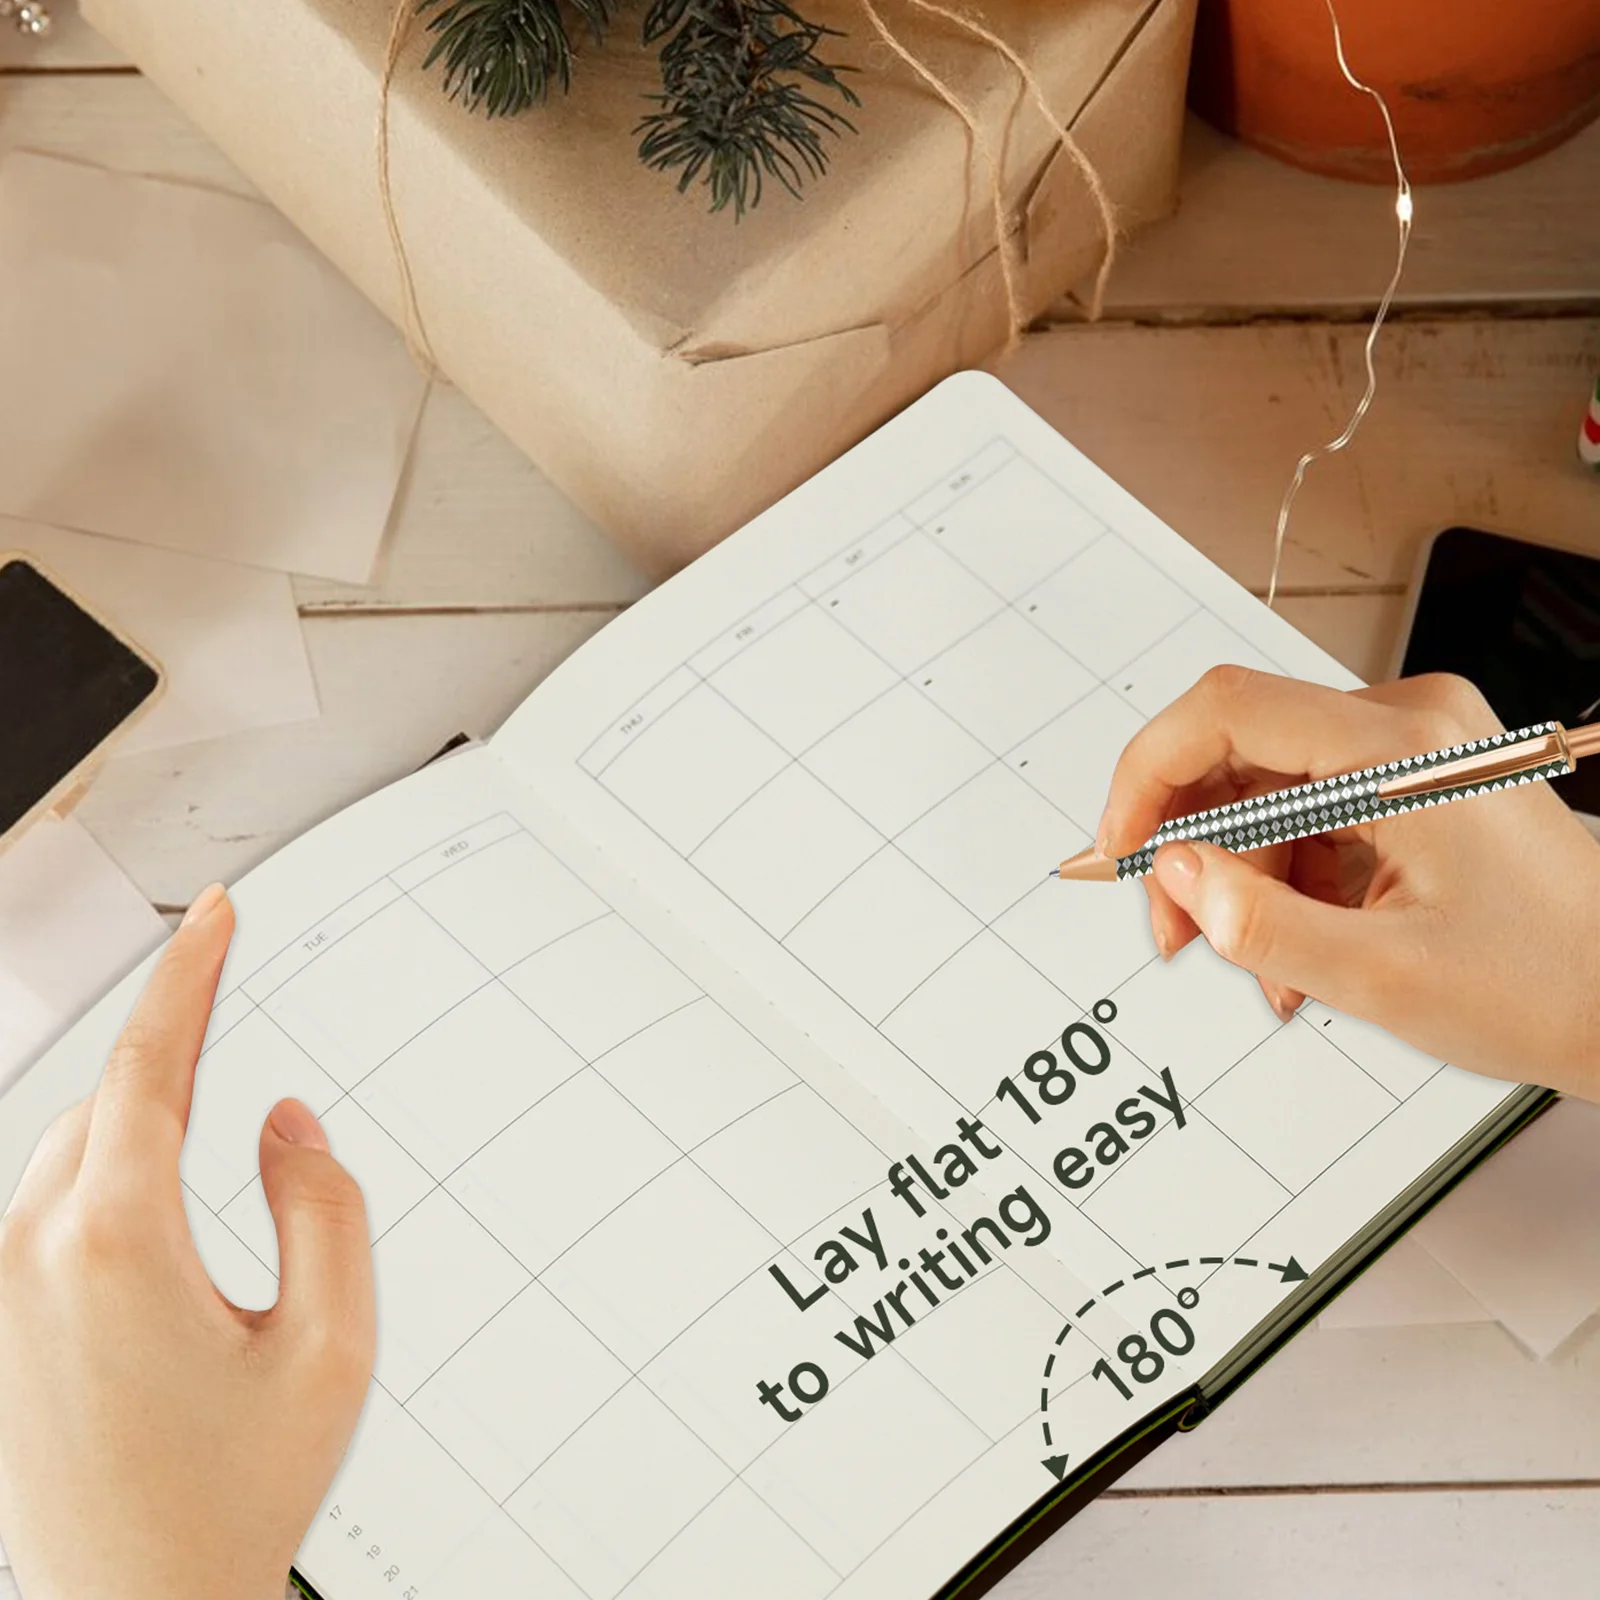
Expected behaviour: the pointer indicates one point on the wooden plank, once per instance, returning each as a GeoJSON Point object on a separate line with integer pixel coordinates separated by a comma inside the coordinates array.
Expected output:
{"type": "Point", "coordinates": [480, 528]}
{"type": "Point", "coordinates": [1252, 233]}
{"type": "Point", "coordinates": [1359, 630]}
{"type": "Point", "coordinates": [393, 690]}
{"type": "Point", "coordinates": [1475, 422]}
{"type": "Point", "coordinates": [1397, 1406]}
{"type": "Point", "coordinates": [1443, 1546]}
{"type": "Point", "coordinates": [71, 45]}
{"type": "Point", "coordinates": [114, 120]}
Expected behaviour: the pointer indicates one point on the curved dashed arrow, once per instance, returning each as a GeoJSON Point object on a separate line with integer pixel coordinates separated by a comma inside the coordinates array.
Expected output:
{"type": "Point", "coordinates": [1289, 1271]}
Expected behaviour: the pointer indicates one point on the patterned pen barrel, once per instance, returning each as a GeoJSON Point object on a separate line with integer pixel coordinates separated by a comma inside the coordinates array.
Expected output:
{"type": "Point", "coordinates": [1545, 750]}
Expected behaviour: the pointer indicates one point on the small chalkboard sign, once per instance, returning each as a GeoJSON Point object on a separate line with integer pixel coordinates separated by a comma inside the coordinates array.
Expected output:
{"type": "Point", "coordinates": [69, 684]}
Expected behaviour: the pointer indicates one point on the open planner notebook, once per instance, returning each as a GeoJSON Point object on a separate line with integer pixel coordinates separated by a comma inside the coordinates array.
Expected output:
{"type": "Point", "coordinates": [779, 1188]}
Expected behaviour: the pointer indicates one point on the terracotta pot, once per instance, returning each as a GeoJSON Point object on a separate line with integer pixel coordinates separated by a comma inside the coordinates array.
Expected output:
{"type": "Point", "coordinates": [1474, 85]}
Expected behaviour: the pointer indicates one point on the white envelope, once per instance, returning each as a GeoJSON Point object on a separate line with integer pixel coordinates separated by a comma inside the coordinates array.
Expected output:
{"type": "Point", "coordinates": [183, 369]}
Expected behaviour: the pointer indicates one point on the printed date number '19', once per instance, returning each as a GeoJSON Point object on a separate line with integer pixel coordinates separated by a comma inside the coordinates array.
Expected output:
{"type": "Point", "coordinates": [389, 1571]}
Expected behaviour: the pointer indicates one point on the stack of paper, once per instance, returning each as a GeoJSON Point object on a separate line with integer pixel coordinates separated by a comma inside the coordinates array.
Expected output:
{"type": "Point", "coordinates": [70, 926]}
{"type": "Point", "coordinates": [182, 369]}
{"type": "Point", "coordinates": [1517, 1243]}
{"type": "Point", "coordinates": [189, 381]}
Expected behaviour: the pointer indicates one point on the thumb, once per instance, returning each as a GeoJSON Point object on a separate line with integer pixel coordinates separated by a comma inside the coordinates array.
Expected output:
{"type": "Point", "coordinates": [324, 1251]}
{"type": "Point", "coordinates": [1259, 922]}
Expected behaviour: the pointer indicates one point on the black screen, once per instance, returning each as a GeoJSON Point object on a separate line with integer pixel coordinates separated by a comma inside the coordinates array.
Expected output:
{"type": "Point", "coordinates": [66, 683]}
{"type": "Point", "coordinates": [1523, 623]}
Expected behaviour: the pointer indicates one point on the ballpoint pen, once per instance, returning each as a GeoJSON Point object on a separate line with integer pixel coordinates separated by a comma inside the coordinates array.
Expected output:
{"type": "Point", "coordinates": [1545, 750]}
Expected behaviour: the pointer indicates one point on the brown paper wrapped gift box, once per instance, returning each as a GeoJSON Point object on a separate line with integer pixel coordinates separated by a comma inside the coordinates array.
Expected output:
{"type": "Point", "coordinates": [676, 372]}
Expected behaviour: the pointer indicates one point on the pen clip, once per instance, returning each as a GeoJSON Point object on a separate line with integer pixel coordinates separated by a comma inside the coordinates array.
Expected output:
{"type": "Point", "coordinates": [1483, 766]}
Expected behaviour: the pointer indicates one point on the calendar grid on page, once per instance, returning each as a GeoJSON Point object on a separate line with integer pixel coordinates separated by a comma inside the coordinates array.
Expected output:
{"type": "Point", "coordinates": [523, 1142]}
{"type": "Point", "coordinates": [930, 714]}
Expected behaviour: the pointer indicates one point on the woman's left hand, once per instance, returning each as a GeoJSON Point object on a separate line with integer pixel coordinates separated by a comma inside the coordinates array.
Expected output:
{"type": "Point", "coordinates": [156, 1440]}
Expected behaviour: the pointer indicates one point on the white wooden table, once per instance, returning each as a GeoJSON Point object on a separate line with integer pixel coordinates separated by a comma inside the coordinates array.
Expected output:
{"type": "Point", "coordinates": [1404, 1462]}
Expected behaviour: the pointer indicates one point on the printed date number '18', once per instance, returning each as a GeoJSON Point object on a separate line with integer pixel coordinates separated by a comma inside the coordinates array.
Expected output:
{"type": "Point", "coordinates": [388, 1570]}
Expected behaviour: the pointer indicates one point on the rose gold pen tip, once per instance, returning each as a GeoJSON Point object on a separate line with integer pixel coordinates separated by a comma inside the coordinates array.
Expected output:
{"type": "Point", "coordinates": [1088, 866]}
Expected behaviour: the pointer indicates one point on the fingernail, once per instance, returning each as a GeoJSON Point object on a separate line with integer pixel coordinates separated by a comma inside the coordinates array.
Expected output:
{"type": "Point", "coordinates": [204, 904]}
{"type": "Point", "coordinates": [1163, 943]}
{"type": "Point", "coordinates": [1180, 861]}
{"type": "Point", "coordinates": [293, 1122]}
{"type": "Point", "coordinates": [1102, 837]}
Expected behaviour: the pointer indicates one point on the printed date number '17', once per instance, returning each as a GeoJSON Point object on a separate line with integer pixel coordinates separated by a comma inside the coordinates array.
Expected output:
{"type": "Point", "coordinates": [389, 1571]}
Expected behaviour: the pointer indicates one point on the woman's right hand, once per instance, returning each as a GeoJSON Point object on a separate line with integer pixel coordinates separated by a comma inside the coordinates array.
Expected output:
{"type": "Point", "coordinates": [1470, 930]}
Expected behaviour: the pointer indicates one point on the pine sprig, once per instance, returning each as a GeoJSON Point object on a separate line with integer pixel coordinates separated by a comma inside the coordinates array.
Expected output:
{"type": "Point", "coordinates": [502, 56]}
{"type": "Point", "coordinates": [735, 107]}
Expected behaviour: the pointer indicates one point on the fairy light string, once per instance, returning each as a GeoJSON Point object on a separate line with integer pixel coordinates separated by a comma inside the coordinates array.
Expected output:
{"type": "Point", "coordinates": [1403, 210]}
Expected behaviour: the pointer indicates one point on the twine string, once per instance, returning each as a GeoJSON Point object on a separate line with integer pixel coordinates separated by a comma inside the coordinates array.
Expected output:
{"type": "Point", "coordinates": [1109, 222]}
{"type": "Point", "coordinates": [411, 324]}
{"type": "Point", "coordinates": [1004, 239]}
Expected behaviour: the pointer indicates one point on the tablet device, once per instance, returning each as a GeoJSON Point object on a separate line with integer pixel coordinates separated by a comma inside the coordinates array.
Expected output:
{"type": "Point", "coordinates": [70, 683]}
{"type": "Point", "coordinates": [1522, 621]}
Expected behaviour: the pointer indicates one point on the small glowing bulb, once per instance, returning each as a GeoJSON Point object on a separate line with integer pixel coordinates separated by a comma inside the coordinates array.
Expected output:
{"type": "Point", "coordinates": [1402, 205]}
